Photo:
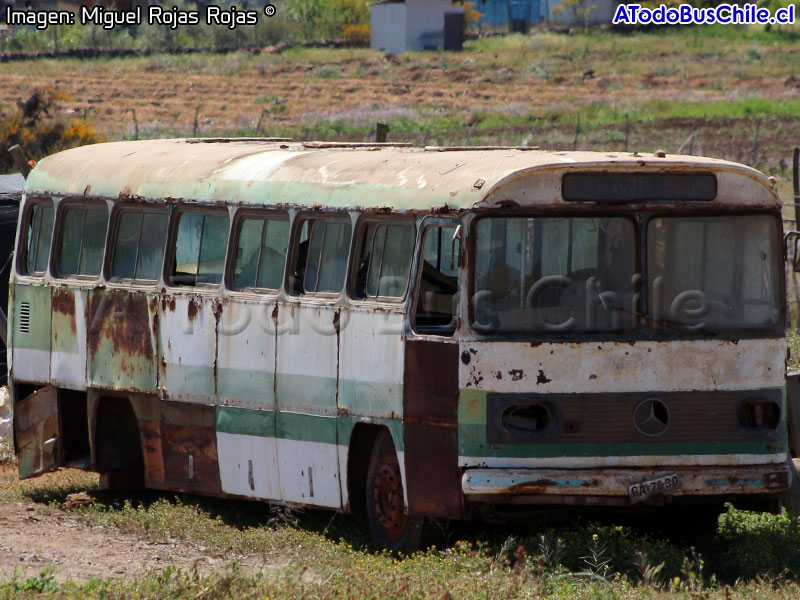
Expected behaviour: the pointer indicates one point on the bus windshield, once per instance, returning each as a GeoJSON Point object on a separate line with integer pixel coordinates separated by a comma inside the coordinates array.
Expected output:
{"type": "Point", "coordinates": [705, 275]}
{"type": "Point", "coordinates": [714, 273]}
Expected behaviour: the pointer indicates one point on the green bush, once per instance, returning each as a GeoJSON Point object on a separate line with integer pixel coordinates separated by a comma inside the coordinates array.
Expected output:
{"type": "Point", "coordinates": [751, 544]}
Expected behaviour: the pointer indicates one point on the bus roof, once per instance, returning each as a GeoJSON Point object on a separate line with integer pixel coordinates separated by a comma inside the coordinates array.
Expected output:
{"type": "Point", "coordinates": [360, 176]}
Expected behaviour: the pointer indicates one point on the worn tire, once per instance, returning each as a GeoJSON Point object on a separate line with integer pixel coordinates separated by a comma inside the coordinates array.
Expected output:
{"type": "Point", "coordinates": [391, 527]}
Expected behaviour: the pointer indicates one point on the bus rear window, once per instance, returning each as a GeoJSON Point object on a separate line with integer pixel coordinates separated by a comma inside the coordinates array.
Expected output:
{"type": "Point", "coordinates": [139, 245]}
{"type": "Point", "coordinates": [200, 245]}
{"type": "Point", "coordinates": [36, 247]}
{"type": "Point", "coordinates": [260, 253]}
{"type": "Point", "coordinates": [82, 240]}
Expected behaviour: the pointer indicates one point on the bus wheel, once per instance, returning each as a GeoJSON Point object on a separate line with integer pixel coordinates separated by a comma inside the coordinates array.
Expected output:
{"type": "Point", "coordinates": [391, 527]}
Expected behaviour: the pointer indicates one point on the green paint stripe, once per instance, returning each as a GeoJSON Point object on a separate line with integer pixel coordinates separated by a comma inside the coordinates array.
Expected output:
{"type": "Point", "coordinates": [305, 390]}
{"type": "Point", "coordinates": [254, 389]}
{"type": "Point", "coordinates": [306, 428]}
{"type": "Point", "coordinates": [245, 422]}
{"type": "Point", "coordinates": [294, 426]}
{"type": "Point", "coordinates": [188, 379]}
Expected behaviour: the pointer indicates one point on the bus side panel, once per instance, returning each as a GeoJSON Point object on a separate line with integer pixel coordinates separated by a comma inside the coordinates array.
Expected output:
{"type": "Point", "coordinates": [246, 423]}
{"type": "Point", "coordinates": [122, 341]}
{"type": "Point", "coordinates": [306, 392]}
{"type": "Point", "coordinates": [371, 363]}
{"type": "Point", "coordinates": [430, 401]}
{"type": "Point", "coordinates": [188, 347]}
{"type": "Point", "coordinates": [68, 359]}
{"type": "Point", "coordinates": [190, 447]}
{"type": "Point", "coordinates": [31, 333]}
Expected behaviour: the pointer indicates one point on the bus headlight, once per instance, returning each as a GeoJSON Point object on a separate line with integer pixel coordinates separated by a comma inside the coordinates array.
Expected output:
{"type": "Point", "coordinates": [758, 413]}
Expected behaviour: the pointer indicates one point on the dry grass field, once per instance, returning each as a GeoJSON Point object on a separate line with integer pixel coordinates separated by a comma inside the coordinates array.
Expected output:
{"type": "Point", "coordinates": [739, 90]}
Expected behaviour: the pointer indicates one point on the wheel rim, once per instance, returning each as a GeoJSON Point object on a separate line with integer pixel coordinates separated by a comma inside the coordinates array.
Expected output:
{"type": "Point", "coordinates": [388, 499]}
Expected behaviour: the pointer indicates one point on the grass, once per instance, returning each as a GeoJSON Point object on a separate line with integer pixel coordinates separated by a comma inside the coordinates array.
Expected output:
{"type": "Point", "coordinates": [319, 554]}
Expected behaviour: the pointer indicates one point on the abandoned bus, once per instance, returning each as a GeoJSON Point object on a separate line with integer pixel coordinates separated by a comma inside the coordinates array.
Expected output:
{"type": "Point", "coordinates": [398, 331]}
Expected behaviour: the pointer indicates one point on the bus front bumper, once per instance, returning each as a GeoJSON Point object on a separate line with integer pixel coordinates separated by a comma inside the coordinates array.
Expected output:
{"type": "Point", "coordinates": [636, 484]}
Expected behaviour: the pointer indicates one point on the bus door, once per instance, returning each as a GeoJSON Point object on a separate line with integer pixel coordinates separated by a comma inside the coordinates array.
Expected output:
{"type": "Point", "coordinates": [430, 390]}
{"type": "Point", "coordinates": [246, 411]}
{"type": "Point", "coordinates": [307, 358]}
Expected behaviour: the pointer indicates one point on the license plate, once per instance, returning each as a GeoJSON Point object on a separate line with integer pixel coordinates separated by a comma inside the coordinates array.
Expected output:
{"type": "Point", "coordinates": [659, 486]}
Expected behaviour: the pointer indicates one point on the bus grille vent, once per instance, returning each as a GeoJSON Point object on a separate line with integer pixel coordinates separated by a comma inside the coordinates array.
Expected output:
{"type": "Point", "coordinates": [24, 317]}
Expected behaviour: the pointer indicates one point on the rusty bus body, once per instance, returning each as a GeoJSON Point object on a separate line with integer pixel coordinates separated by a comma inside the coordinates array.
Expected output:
{"type": "Point", "coordinates": [457, 382]}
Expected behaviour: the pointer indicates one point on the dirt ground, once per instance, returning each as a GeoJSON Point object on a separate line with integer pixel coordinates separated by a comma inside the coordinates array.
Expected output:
{"type": "Point", "coordinates": [35, 537]}
{"type": "Point", "coordinates": [32, 540]}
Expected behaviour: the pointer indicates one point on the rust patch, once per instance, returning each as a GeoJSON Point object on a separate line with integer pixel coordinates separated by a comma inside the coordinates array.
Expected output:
{"type": "Point", "coordinates": [63, 301]}
{"type": "Point", "coordinates": [542, 378]}
{"type": "Point", "coordinates": [516, 374]}
{"type": "Point", "coordinates": [123, 319]}
{"type": "Point", "coordinates": [430, 409]}
{"type": "Point", "coordinates": [193, 308]}
{"type": "Point", "coordinates": [190, 430]}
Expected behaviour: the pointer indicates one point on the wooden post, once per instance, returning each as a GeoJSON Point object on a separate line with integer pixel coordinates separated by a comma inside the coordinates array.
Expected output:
{"type": "Point", "coordinates": [627, 131]}
{"type": "Point", "coordinates": [755, 143]}
{"type": "Point", "coordinates": [196, 114]}
{"type": "Point", "coordinates": [577, 131]}
{"type": "Point", "coordinates": [261, 118]}
{"type": "Point", "coordinates": [135, 125]}
{"type": "Point", "coordinates": [381, 130]}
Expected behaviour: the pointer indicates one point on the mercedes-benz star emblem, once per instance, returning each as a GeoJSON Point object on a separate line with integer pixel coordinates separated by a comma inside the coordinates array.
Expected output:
{"type": "Point", "coordinates": [651, 416]}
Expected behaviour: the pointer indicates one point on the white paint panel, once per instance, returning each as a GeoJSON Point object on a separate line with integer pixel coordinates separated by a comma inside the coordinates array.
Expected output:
{"type": "Point", "coordinates": [343, 483]}
{"type": "Point", "coordinates": [307, 340]}
{"type": "Point", "coordinates": [246, 347]}
{"type": "Point", "coordinates": [188, 346]}
{"type": "Point", "coordinates": [69, 368]}
{"type": "Point", "coordinates": [307, 347]}
{"type": "Point", "coordinates": [371, 360]}
{"type": "Point", "coordinates": [235, 452]}
{"type": "Point", "coordinates": [31, 365]}
{"type": "Point", "coordinates": [372, 345]}
{"type": "Point", "coordinates": [596, 367]}
{"type": "Point", "coordinates": [309, 473]}
{"type": "Point", "coordinates": [581, 462]}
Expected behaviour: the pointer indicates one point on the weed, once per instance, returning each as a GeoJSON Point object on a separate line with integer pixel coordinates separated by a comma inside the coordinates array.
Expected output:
{"type": "Point", "coordinates": [7, 451]}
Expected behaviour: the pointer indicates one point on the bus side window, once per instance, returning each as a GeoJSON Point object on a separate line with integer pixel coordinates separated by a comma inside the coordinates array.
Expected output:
{"type": "Point", "coordinates": [384, 261]}
{"type": "Point", "coordinates": [321, 259]}
{"type": "Point", "coordinates": [200, 246]}
{"type": "Point", "coordinates": [437, 295]}
{"type": "Point", "coordinates": [139, 246]}
{"type": "Point", "coordinates": [36, 245]}
{"type": "Point", "coordinates": [82, 240]}
{"type": "Point", "coordinates": [260, 252]}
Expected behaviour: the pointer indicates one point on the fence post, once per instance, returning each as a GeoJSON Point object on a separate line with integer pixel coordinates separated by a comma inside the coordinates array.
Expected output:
{"type": "Point", "coordinates": [577, 131]}
{"type": "Point", "coordinates": [135, 125]}
{"type": "Point", "coordinates": [381, 129]}
{"type": "Point", "coordinates": [755, 143]}
{"type": "Point", "coordinates": [627, 131]}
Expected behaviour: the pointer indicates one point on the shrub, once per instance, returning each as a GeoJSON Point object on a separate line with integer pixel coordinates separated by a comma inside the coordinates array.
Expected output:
{"type": "Point", "coordinates": [751, 544]}
{"type": "Point", "coordinates": [38, 133]}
